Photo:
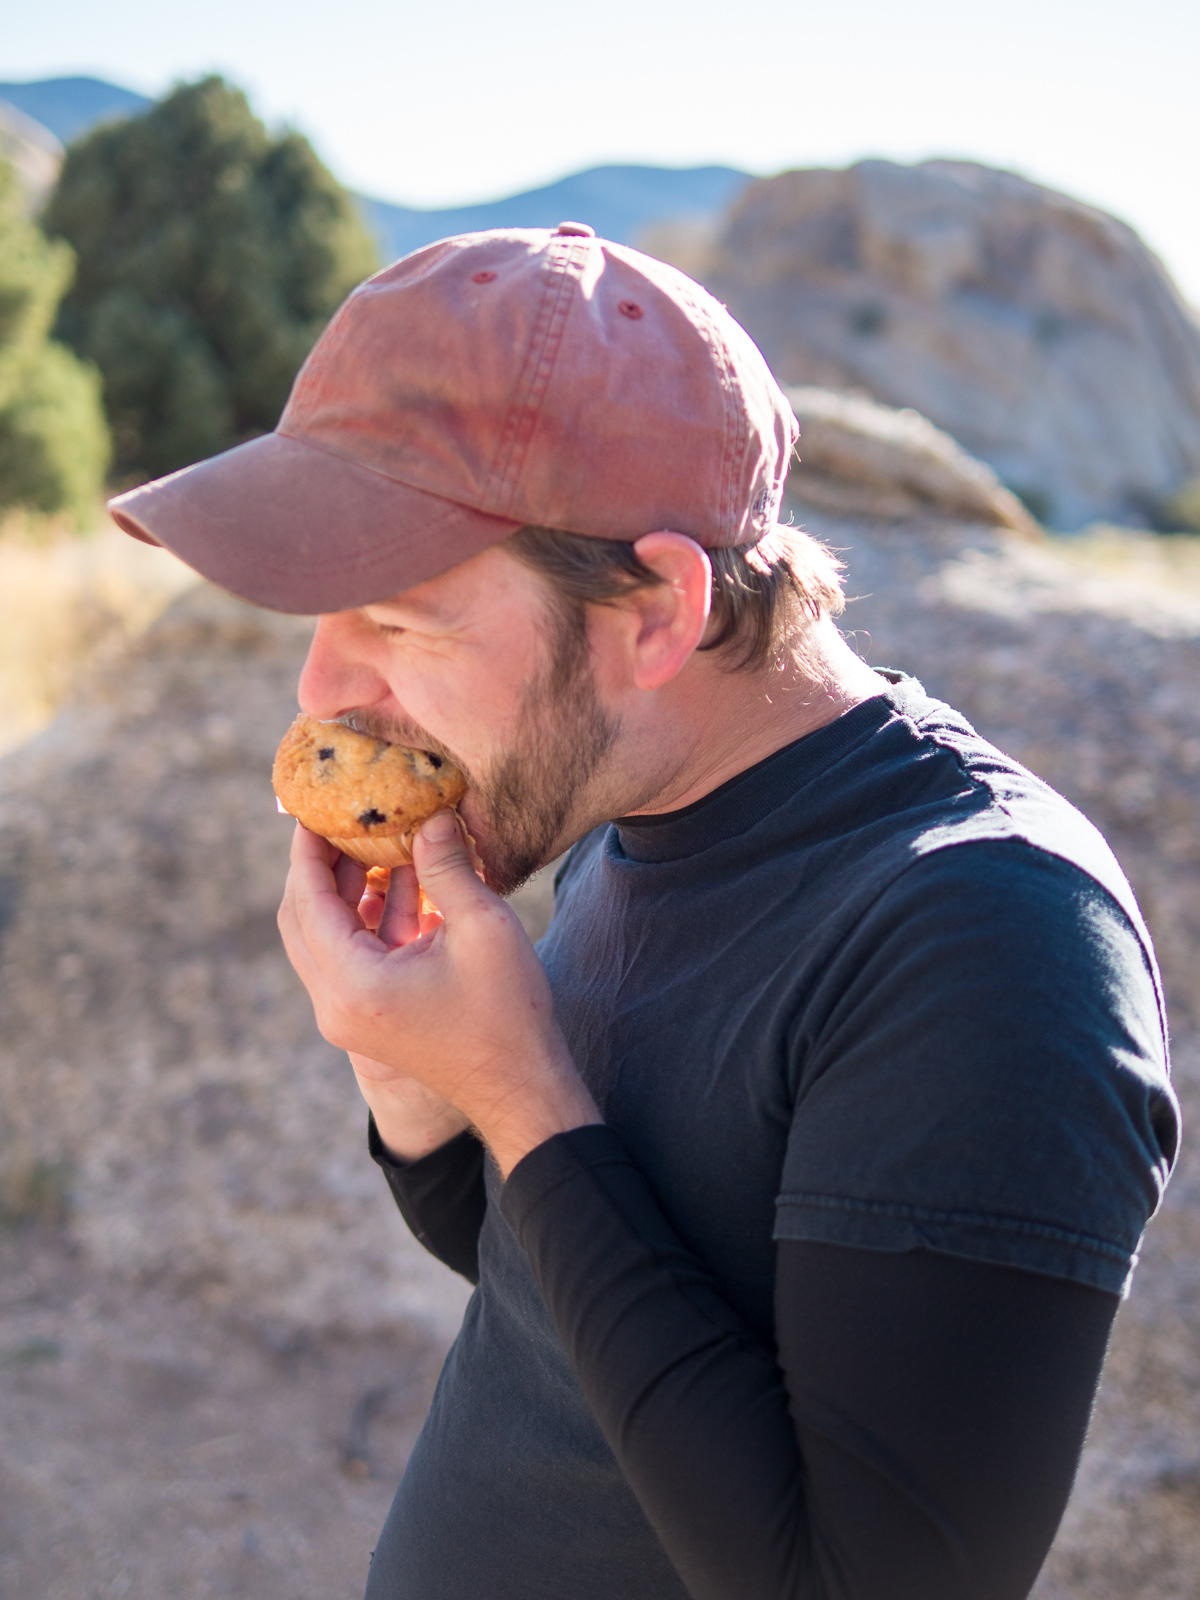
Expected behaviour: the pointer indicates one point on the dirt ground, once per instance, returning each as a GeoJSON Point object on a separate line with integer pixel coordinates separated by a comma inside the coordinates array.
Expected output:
{"type": "Point", "coordinates": [161, 1444]}
{"type": "Point", "coordinates": [157, 1445]}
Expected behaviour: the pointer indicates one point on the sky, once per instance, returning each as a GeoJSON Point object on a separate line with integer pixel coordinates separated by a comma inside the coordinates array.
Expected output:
{"type": "Point", "coordinates": [436, 104]}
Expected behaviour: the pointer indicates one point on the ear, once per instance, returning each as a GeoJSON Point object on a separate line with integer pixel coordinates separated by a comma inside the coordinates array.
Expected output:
{"type": "Point", "coordinates": [670, 616]}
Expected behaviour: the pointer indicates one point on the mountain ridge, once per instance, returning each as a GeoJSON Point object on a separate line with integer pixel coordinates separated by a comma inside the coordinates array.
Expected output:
{"type": "Point", "coordinates": [67, 107]}
{"type": "Point", "coordinates": [619, 201]}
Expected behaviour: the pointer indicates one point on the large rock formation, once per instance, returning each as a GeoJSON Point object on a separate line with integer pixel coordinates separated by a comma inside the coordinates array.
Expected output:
{"type": "Point", "coordinates": [1039, 331]}
{"type": "Point", "coordinates": [161, 1078]}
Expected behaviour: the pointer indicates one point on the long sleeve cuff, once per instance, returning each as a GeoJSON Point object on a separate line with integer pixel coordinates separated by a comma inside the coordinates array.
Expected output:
{"type": "Point", "coordinates": [440, 1196]}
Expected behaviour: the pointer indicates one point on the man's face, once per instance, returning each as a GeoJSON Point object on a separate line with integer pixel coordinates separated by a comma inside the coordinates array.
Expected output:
{"type": "Point", "coordinates": [481, 666]}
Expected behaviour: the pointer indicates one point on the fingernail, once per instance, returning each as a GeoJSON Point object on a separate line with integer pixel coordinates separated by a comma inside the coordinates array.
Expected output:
{"type": "Point", "coordinates": [439, 827]}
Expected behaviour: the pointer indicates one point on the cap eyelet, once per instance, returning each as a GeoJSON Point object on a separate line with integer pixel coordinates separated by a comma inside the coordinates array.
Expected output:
{"type": "Point", "coordinates": [631, 309]}
{"type": "Point", "coordinates": [483, 277]}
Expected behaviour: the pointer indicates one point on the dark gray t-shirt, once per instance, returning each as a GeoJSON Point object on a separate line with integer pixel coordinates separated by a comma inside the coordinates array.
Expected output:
{"type": "Point", "coordinates": [885, 990]}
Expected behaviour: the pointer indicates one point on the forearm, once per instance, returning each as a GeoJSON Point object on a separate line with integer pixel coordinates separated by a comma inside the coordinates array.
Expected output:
{"type": "Point", "coordinates": [433, 1164]}
{"type": "Point", "coordinates": [410, 1119]}
{"type": "Point", "coordinates": [441, 1197]}
{"type": "Point", "coordinates": [671, 1374]}
{"type": "Point", "coordinates": [906, 1444]}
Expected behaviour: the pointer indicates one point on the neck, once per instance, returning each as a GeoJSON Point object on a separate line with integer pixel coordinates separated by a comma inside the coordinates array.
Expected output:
{"type": "Point", "coordinates": [723, 722]}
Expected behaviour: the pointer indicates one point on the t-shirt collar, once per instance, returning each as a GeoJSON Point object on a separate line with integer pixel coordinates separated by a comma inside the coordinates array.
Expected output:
{"type": "Point", "coordinates": [750, 796]}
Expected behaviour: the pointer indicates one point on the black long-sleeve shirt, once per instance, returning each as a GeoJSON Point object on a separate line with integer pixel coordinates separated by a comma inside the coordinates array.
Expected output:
{"type": "Point", "coordinates": [876, 1035]}
{"type": "Point", "coordinates": [914, 1435]}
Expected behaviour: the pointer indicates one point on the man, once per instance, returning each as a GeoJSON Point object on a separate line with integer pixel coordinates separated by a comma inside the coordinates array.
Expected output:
{"type": "Point", "coordinates": [802, 1167]}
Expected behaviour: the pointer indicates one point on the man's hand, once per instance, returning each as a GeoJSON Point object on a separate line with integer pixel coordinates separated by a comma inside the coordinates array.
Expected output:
{"type": "Point", "coordinates": [448, 1018]}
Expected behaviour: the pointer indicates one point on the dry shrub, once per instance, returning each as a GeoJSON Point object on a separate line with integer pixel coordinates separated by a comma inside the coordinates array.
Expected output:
{"type": "Point", "coordinates": [65, 601]}
{"type": "Point", "coordinates": [1136, 558]}
{"type": "Point", "coordinates": [1181, 512]}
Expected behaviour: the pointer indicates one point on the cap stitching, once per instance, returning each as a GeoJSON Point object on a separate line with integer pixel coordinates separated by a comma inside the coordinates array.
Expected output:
{"type": "Point", "coordinates": [737, 425]}
{"type": "Point", "coordinates": [550, 321]}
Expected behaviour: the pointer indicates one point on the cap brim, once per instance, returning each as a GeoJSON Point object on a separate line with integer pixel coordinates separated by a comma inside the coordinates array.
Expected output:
{"type": "Point", "coordinates": [296, 528]}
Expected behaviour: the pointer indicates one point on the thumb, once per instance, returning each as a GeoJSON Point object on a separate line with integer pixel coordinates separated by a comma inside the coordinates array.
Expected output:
{"type": "Point", "coordinates": [444, 867]}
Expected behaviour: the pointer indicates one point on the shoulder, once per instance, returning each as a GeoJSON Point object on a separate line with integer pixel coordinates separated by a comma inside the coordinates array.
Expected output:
{"type": "Point", "coordinates": [1000, 800]}
{"type": "Point", "coordinates": [1002, 935]}
{"type": "Point", "coordinates": [1021, 897]}
{"type": "Point", "coordinates": [985, 1072]}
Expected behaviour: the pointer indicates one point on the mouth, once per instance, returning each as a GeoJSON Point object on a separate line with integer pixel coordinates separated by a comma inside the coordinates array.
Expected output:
{"type": "Point", "coordinates": [390, 731]}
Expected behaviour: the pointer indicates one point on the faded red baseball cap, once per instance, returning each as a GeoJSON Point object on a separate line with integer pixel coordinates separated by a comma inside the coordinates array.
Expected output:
{"type": "Point", "coordinates": [489, 381]}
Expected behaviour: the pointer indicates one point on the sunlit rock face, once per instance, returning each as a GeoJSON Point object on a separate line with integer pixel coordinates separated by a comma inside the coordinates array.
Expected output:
{"type": "Point", "coordinates": [32, 150]}
{"type": "Point", "coordinates": [1037, 330]}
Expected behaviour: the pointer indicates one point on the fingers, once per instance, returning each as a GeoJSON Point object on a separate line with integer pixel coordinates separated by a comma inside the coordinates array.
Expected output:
{"type": "Point", "coordinates": [312, 905]}
{"type": "Point", "coordinates": [370, 907]}
{"type": "Point", "coordinates": [351, 879]}
{"type": "Point", "coordinates": [311, 846]}
{"type": "Point", "coordinates": [401, 919]}
{"type": "Point", "coordinates": [444, 866]}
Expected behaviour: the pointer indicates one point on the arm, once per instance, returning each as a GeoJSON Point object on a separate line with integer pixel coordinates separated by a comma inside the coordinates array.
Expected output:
{"type": "Point", "coordinates": [981, 1068]}
{"type": "Point", "coordinates": [440, 1196]}
{"type": "Point", "coordinates": [467, 1012]}
{"type": "Point", "coordinates": [917, 1437]}
{"type": "Point", "coordinates": [433, 1163]}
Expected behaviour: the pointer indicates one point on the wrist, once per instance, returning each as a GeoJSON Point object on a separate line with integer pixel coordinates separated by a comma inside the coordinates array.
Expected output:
{"type": "Point", "coordinates": [511, 1135]}
{"type": "Point", "coordinates": [411, 1121]}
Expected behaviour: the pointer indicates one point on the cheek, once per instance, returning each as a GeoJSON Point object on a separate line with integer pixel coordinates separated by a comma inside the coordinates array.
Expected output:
{"type": "Point", "coordinates": [472, 701]}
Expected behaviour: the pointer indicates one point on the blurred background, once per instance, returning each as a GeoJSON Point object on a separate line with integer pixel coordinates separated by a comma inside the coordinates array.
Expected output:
{"type": "Point", "coordinates": [968, 242]}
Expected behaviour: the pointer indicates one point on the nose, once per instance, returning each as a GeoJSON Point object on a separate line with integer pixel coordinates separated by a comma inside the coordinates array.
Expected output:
{"type": "Point", "coordinates": [338, 674]}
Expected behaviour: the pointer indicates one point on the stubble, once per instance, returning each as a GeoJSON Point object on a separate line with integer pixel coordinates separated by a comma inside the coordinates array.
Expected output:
{"type": "Point", "coordinates": [529, 790]}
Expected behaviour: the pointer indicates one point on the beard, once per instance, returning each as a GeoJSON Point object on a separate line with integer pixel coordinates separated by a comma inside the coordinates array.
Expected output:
{"type": "Point", "coordinates": [527, 791]}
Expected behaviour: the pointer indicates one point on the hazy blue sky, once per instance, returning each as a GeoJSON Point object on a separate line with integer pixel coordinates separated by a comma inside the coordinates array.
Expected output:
{"type": "Point", "coordinates": [433, 104]}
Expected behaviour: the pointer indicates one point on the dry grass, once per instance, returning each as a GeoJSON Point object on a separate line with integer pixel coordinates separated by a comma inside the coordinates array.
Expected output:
{"type": "Point", "coordinates": [66, 600]}
{"type": "Point", "coordinates": [1142, 560]}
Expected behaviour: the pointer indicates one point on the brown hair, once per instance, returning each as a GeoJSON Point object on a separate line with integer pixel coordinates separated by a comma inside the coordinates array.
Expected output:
{"type": "Point", "coordinates": [760, 592]}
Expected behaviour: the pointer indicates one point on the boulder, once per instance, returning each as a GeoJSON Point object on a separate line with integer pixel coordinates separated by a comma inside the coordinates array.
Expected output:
{"type": "Point", "coordinates": [856, 456]}
{"type": "Point", "coordinates": [1037, 330]}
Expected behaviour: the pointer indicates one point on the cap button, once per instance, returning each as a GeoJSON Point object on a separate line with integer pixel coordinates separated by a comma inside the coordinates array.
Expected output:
{"type": "Point", "coordinates": [578, 229]}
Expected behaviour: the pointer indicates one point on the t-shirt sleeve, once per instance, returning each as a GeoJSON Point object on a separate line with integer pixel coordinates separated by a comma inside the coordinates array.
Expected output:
{"type": "Point", "coordinates": [983, 1072]}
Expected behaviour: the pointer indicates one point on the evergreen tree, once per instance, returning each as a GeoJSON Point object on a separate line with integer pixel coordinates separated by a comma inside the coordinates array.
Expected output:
{"type": "Point", "coordinates": [53, 442]}
{"type": "Point", "coordinates": [211, 255]}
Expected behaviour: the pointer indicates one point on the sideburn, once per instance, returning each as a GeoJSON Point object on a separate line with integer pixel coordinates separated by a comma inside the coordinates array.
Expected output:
{"type": "Point", "coordinates": [565, 734]}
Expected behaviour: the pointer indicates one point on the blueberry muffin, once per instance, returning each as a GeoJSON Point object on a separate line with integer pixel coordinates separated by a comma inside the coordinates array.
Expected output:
{"type": "Point", "coordinates": [365, 796]}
